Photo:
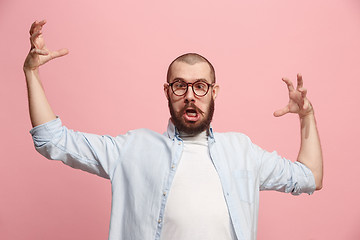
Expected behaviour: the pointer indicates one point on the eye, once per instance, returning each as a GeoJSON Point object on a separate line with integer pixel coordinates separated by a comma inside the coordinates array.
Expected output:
{"type": "Point", "coordinates": [180, 84]}
{"type": "Point", "coordinates": [200, 85]}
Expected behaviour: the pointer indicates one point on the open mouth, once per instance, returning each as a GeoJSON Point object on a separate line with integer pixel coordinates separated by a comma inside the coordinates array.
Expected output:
{"type": "Point", "coordinates": [191, 115]}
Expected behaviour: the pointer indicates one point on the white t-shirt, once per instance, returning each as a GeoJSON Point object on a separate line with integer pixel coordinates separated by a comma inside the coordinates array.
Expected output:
{"type": "Point", "coordinates": [196, 207]}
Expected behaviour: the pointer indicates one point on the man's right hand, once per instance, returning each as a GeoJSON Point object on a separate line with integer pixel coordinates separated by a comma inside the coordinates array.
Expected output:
{"type": "Point", "coordinates": [39, 107]}
{"type": "Point", "coordinates": [39, 54]}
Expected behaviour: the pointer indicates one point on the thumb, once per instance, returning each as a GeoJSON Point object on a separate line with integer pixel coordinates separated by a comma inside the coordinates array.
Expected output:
{"type": "Point", "coordinates": [59, 53]}
{"type": "Point", "coordinates": [281, 112]}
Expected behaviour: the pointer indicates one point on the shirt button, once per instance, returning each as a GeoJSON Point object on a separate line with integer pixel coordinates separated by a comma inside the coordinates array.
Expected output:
{"type": "Point", "coordinates": [173, 166]}
{"type": "Point", "coordinates": [159, 221]}
{"type": "Point", "coordinates": [164, 194]}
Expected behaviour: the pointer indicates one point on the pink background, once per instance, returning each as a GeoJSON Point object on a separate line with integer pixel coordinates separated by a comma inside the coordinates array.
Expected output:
{"type": "Point", "coordinates": [117, 45]}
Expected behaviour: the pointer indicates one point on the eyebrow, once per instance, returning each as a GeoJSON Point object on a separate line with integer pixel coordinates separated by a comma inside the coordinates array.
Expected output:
{"type": "Point", "coordinates": [198, 79]}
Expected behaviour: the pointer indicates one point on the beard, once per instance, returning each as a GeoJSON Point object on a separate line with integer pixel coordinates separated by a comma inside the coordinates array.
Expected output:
{"type": "Point", "coordinates": [192, 128]}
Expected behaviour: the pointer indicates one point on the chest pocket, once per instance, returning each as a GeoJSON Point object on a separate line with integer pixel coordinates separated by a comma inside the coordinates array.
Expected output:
{"type": "Point", "coordinates": [245, 184]}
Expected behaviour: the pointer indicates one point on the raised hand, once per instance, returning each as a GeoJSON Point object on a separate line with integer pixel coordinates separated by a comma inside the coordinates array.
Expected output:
{"type": "Point", "coordinates": [39, 54]}
{"type": "Point", "coordinates": [298, 102]}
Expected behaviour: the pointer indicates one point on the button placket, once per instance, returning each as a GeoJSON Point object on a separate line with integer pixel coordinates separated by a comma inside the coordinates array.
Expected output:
{"type": "Point", "coordinates": [175, 158]}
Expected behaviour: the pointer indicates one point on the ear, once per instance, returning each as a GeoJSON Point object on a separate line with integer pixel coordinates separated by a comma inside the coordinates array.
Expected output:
{"type": "Point", "coordinates": [215, 91]}
{"type": "Point", "coordinates": [166, 90]}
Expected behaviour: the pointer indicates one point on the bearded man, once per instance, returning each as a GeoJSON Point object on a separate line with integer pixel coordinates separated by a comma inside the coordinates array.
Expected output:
{"type": "Point", "coordinates": [190, 182]}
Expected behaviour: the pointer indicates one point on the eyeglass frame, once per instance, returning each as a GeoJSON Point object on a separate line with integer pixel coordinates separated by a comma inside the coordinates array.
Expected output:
{"type": "Point", "coordinates": [192, 87]}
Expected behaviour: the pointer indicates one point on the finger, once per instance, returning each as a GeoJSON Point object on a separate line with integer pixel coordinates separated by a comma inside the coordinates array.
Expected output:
{"type": "Point", "coordinates": [59, 53]}
{"type": "Point", "coordinates": [37, 26]}
{"type": "Point", "coordinates": [282, 112]}
{"type": "Point", "coordinates": [300, 82]}
{"type": "Point", "coordinates": [309, 106]}
{"type": "Point", "coordinates": [306, 105]}
{"type": "Point", "coordinates": [32, 27]}
{"type": "Point", "coordinates": [303, 92]}
{"type": "Point", "coordinates": [289, 84]}
{"type": "Point", "coordinates": [39, 51]}
{"type": "Point", "coordinates": [33, 38]}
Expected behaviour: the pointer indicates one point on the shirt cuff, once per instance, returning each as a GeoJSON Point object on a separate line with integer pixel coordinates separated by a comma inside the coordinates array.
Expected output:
{"type": "Point", "coordinates": [43, 133]}
{"type": "Point", "coordinates": [306, 183]}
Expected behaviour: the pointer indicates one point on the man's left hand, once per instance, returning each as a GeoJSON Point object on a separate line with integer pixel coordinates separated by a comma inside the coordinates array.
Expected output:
{"type": "Point", "coordinates": [298, 103]}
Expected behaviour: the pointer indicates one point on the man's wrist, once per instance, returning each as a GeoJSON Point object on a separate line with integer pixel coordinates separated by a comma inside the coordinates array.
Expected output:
{"type": "Point", "coordinates": [31, 73]}
{"type": "Point", "coordinates": [308, 114]}
{"type": "Point", "coordinates": [30, 69]}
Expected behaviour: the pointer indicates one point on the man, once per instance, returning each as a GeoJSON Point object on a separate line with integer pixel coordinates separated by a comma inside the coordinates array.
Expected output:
{"type": "Point", "coordinates": [190, 182]}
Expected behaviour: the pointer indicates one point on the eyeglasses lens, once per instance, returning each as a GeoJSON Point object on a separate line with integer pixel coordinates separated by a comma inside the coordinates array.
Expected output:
{"type": "Point", "coordinates": [200, 88]}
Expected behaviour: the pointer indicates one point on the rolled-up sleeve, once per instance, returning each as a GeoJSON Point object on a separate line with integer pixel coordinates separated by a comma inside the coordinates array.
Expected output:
{"type": "Point", "coordinates": [280, 174]}
{"type": "Point", "coordinates": [89, 152]}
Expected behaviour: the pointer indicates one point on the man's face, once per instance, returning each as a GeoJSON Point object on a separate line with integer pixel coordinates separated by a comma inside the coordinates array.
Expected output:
{"type": "Point", "coordinates": [190, 113]}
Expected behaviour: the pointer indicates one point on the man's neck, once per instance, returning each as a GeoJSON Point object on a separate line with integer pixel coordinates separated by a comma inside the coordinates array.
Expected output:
{"type": "Point", "coordinates": [194, 137]}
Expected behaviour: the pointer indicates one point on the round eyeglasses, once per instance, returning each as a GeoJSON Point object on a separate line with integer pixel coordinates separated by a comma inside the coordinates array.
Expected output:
{"type": "Point", "coordinates": [200, 87]}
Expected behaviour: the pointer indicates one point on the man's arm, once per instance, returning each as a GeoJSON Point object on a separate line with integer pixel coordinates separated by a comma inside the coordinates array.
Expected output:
{"type": "Point", "coordinates": [39, 107]}
{"type": "Point", "coordinates": [310, 153]}
{"type": "Point", "coordinates": [89, 152]}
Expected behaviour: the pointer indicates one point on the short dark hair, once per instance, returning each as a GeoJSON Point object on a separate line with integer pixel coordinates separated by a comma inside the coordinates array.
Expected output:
{"type": "Point", "coordinates": [191, 58]}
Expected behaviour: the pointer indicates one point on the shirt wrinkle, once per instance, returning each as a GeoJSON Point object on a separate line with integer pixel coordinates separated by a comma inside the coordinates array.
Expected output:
{"type": "Point", "coordinates": [143, 164]}
{"type": "Point", "coordinates": [77, 156]}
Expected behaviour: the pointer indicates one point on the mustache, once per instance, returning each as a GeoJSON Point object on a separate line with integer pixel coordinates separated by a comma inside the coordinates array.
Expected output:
{"type": "Point", "coordinates": [193, 106]}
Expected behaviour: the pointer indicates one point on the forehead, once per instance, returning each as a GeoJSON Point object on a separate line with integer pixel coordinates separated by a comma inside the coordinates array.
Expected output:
{"type": "Point", "coordinates": [190, 72]}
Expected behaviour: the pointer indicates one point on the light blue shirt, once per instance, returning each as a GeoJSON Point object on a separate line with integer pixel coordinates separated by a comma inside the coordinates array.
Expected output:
{"type": "Point", "coordinates": [142, 163]}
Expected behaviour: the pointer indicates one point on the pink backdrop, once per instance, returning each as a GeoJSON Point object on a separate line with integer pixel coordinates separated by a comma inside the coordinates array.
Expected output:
{"type": "Point", "coordinates": [117, 45]}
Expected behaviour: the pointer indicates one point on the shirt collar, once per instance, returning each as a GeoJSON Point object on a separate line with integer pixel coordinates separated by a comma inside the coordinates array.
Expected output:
{"type": "Point", "coordinates": [173, 133]}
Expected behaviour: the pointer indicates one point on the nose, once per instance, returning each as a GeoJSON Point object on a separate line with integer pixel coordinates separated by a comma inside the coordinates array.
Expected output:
{"type": "Point", "coordinates": [190, 95]}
